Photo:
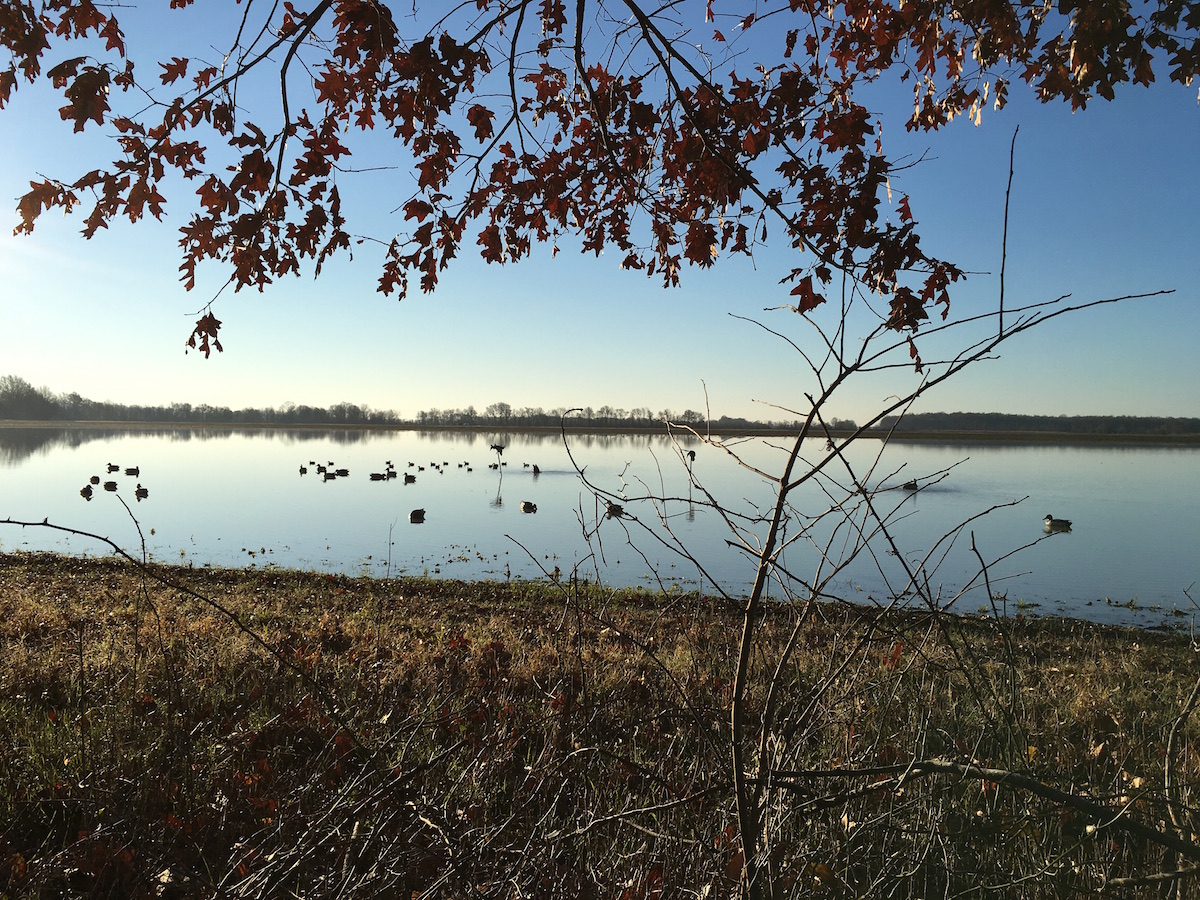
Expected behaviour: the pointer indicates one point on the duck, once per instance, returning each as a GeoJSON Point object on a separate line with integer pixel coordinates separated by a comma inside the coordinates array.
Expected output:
{"type": "Point", "coordinates": [528, 506]}
{"type": "Point", "coordinates": [140, 492]}
{"type": "Point", "coordinates": [409, 478]}
{"type": "Point", "coordinates": [113, 467]}
{"type": "Point", "coordinates": [499, 448]}
{"type": "Point", "coordinates": [110, 485]}
{"type": "Point", "coordinates": [417, 516]}
{"type": "Point", "coordinates": [536, 470]}
{"type": "Point", "coordinates": [95, 479]}
{"type": "Point", "coordinates": [615, 510]}
{"type": "Point", "coordinates": [134, 471]}
{"type": "Point", "coordinates": [1053, 524]}
{"type": "Point", "coordinates": [86, 492]}
{"type": "Point", "coordinates": [910, 485]}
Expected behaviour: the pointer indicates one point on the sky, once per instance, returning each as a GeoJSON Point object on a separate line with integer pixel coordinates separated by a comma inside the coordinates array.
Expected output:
{"type": "Point", "coordinates": [1103, 204]}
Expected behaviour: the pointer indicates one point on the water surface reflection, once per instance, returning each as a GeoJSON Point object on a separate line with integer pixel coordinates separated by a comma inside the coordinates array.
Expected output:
{"type": "Point", "coordinates": [228, 497]}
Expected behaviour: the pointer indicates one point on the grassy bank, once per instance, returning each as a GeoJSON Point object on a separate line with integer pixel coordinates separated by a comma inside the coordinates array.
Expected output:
{"type": "Point", "coordinates": [200, 733]}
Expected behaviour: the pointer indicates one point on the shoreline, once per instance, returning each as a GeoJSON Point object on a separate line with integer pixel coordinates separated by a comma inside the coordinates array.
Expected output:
{"type": "Point", "coordinates": [635, 597]}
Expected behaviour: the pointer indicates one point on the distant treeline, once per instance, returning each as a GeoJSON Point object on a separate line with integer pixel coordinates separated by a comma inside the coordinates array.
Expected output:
{"type": "Point", "coordinates": [21, 401]}
{"type": "Point", "coordinates": [1002, 422]}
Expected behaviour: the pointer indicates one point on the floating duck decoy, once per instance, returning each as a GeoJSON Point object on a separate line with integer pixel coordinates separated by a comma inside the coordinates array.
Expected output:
{"type": "Point", "coordinates": [304, 470]}
{"type": "Point", "coordinates": [417, 516]}
{"type": "Point", "coordinates": [1053, 524]}
{"type": "Point", "coordinates": [328, 476]}
{"type": "Point", "coordinates": [528, 506]}
{"type": "Point", "coordinates": [321, 470]}
{"type": "Point", "coordinates": [110, 485]}
{"type": "Point", "coordinates": [140, 492]}
{"type": "Point", "coordinates": [409, 478]}
{"type": "Point", "coordinates": [342, 473]}
{"type": "Point", "coordinates": [86, 492]}
{"type": "Point", "coordinates": [134, 471]}
{"type": "Point", "coordinates": [910, 485]}
{"type": "Point", "coordinates": [379, 476]}
{"type": "Point", "coordinates": [95, 479]}
{"type": "Point", "coordinates": [113, 467]}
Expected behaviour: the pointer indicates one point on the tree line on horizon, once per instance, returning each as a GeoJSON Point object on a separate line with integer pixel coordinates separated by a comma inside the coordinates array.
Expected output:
{"type": "Point", "coordinates": [1063, 424]}
{"type": "Point", "coordinates": [21, 401]}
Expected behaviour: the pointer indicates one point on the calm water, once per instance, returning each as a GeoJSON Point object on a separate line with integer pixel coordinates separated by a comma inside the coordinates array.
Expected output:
{"type": "Point", "coordinates": [237, 499]}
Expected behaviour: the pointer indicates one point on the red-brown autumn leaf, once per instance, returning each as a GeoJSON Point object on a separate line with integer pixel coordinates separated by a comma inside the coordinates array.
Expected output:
{"type": "Point", "coordinates": [174, 70]}
{"type": "Point", "coordinates": [88, 96]}
{"type": "Point", "coordinates": [42, 195]}
{"type": "Point", "coordinates": [807, 299]}
{"type": "Point", "coordinates": [206, 330]}
{"type": "Point", "coordinates": [480, 118]}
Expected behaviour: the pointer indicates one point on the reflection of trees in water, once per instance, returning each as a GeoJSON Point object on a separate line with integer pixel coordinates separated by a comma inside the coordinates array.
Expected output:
{"type": "Point", "coordinates": [543, 437]}
{"type": "Point", "coordinates": [19, 444]}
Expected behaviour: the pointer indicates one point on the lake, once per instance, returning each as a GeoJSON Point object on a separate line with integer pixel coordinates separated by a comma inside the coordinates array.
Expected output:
{"type": "Point", "coordinates": [237, 498]}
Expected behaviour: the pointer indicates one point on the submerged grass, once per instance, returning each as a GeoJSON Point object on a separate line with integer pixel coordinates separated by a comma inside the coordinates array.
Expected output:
{"type": "Point", "coordinates": [202, 733]}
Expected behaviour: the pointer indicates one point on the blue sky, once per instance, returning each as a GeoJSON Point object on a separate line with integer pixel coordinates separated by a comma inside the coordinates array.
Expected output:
{"type": "Point", "coordinates": [1103, 204]}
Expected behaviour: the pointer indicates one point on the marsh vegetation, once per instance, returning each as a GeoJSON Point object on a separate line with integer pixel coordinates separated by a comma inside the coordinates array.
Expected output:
{"type": "Point", "coordinates": [200, 733]}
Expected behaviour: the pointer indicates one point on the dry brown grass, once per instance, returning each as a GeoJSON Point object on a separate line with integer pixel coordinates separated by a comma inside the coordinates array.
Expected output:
{"type": "Point", "coordinates": [329, 736]}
